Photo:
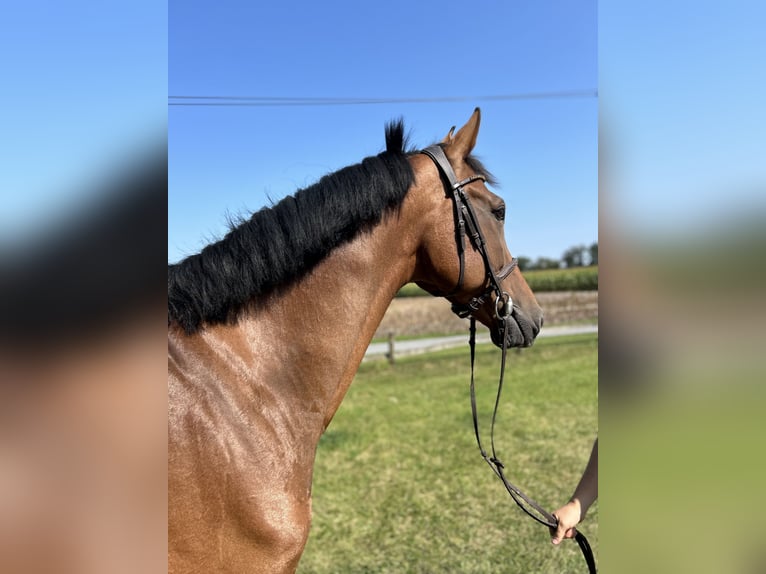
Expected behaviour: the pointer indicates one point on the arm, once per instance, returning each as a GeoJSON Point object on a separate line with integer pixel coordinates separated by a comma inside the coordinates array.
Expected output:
{"type": "Point", "coordinates": [584, 495]}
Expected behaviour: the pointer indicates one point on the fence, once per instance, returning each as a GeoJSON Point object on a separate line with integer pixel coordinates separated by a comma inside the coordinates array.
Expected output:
{"type": "Point", "coordinates": [391, 349]}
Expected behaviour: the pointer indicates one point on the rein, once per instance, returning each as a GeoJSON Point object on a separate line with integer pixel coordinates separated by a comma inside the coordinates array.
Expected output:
{"type": "Point", "coordinates": [465, 219]}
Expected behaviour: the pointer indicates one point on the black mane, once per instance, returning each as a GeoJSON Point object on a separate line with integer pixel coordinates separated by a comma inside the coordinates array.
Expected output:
{"type": "Point", "coordinates": [279, 245]}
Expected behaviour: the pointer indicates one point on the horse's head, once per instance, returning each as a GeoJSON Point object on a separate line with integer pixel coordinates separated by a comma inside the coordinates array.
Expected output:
{"type": "Point", "coordinates": [463, 255]}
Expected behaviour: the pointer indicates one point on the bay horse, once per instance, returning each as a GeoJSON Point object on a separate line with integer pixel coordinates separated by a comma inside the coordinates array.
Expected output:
{"type": "Point", "coordinates": [267, 327]}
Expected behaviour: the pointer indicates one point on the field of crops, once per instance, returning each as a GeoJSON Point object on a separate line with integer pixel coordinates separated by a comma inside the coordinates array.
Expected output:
{"type": "Point", "coordinates": [574, 279]}
{"type": "Point", "coordinates": [399, 485]}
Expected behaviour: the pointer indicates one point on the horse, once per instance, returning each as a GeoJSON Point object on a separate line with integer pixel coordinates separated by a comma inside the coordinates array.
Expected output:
{"type": "Point", "coordinates": [267, 328]}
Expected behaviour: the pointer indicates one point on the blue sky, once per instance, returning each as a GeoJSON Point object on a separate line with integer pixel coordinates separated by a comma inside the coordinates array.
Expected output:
{"type": "Point", "coordinates": [78, 96]}
{"type": "Point", "coordinates": [682, 90]}
{"type": "Point", "coordinates": [234, 159]}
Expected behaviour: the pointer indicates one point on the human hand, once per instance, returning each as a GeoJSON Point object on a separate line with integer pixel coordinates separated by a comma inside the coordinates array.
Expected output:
{"type": "Point", "coordinates": [568, 516]}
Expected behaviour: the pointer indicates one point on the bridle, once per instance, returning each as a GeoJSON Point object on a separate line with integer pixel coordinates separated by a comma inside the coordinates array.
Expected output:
{"type": "Point", "coordinates": [466, 221]}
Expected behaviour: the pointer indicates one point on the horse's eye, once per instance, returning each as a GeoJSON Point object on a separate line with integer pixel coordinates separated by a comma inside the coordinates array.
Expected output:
{"type": "Point", "coordinates": [499, 213]}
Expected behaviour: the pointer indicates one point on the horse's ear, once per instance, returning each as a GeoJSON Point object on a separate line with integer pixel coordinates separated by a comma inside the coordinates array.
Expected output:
{"type": "Point", "coordinates": [460, 146]}
{"type": "Point", "coordinates": [448, 138]}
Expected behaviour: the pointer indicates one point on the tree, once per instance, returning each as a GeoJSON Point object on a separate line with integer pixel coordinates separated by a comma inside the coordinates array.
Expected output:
{"type": "Point", "coordinates": [574, 256]}
{"type": "Point", "coordinates": [546, 263]}
{"type": "Point", "coordinates": [593, 252]}
{"type": "Point", "coordinates": [525, 263]}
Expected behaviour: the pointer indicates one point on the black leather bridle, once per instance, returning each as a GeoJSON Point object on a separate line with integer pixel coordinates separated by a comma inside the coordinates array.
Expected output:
{"type": "Point", "coordinates": [466, 221]}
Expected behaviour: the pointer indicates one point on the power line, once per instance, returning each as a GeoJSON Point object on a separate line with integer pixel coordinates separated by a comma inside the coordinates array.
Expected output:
{"type": "Point", "coordinates": [264, 101]}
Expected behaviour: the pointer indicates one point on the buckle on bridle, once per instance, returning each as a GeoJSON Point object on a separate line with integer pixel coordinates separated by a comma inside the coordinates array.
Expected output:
{"type": "Point", "coordinates": [507, 306]}
{"type": "Point", "coordinates": [464, 311]}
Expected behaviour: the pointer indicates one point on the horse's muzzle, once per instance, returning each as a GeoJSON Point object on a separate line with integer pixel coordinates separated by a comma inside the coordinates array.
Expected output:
{"type": "Point", "coordinates": [520, 330]}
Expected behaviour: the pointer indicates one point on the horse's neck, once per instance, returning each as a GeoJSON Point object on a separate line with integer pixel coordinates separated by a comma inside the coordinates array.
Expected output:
{"type": "Point", "coordinates": [313, 337]}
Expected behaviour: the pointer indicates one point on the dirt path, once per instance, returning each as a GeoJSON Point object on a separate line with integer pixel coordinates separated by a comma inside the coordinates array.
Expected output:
{"type": "Point", "coordinates": [409, 316]}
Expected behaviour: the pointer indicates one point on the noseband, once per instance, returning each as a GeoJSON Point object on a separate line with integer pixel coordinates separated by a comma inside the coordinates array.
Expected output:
{"type": "Point", "coordinates": [466, 220]}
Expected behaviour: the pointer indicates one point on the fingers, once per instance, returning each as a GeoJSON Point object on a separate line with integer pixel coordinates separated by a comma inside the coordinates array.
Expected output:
{"type": "Point", "coordinates": [562, 531]}
{"type": "Point", "coordinates": [561, 534]}
{"type": "Point", "coordinates": [558, 534]}
{"type": "Point", "coordinates": [568, 516]}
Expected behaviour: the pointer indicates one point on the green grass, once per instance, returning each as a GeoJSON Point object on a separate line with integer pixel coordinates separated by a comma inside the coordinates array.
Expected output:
{"type": "Point", "coordinates": [686, 444]}
{"type": "Point", "coordinates": [399, 485]}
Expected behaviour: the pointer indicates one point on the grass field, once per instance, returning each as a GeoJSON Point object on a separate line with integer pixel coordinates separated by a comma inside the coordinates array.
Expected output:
{"type": "Point", "coordinates": [399, 485]}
